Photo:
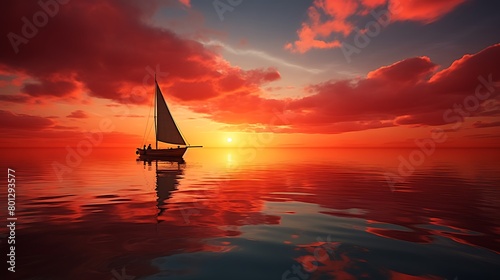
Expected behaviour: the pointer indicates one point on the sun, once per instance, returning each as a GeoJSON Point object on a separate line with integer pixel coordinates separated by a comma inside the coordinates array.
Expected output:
{"type": "Point", "coordinates": [229, 140]}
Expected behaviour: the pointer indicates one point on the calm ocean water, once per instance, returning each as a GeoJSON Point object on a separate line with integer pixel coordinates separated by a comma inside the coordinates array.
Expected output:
{"type": "Point", "coordinates": [254, 214]}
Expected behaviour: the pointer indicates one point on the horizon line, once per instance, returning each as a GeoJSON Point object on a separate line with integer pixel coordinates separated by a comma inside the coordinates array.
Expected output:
{"type": "Point", "coordinates": [269, 147]}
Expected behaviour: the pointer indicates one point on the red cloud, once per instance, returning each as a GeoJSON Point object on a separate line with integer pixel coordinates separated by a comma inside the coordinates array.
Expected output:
{"type": "Point", "coordinates": [373, 3]}
{"type": "Point", "coordinates": [331, 20]}
{"type": "Point", "coordinates": [186, 3]}
{"type": "Point", "coordinates": [463, 74]}
{"type": "Point", "coordinates": [113, 56]}
{"type": "Point", "coordinates": [480, 124]}
{"type": "Point", "coordinates": [14, 98]}
{"type": "Point", "coordinates": [24, 122]}
{"type": "Point", "coordinates": [78, 114]}
{"type": "Point", "coordinates": [45, 132]}
{"type": "Point", "coordinates": [425, 11]}
{"type": "Point", "coordinates": [240, 108]}
{"type": "Point", "coordinates": [47, 87]}
{"type": "Point", "coordinates": [313, 33]}
{"type": "Point", "coordinates": [235, 80]}
{"type": "Point", "coordinates": [408, 92]}
{"type": "Point", "coordinates": [412, 69]}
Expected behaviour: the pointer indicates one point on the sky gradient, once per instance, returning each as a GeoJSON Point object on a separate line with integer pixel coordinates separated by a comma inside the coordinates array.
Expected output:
{"type": "Point", "coordinates": [355, 73]}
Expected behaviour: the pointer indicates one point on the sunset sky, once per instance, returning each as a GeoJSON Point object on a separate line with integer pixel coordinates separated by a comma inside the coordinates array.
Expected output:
{"type": "Point", "coordinates": [293, 73]}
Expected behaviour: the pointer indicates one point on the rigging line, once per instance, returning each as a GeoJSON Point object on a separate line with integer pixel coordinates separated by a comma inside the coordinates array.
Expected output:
{"type": "Point", "coordinates": [149, 133]}
{"type": "Point", "coordinates": [147, 123]}
{"type": "Point", "coordinates": [182, 134]}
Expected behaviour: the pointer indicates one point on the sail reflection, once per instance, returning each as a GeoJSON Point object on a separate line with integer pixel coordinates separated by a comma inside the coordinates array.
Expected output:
{"type": "Point", "coordinates": [168, 175]}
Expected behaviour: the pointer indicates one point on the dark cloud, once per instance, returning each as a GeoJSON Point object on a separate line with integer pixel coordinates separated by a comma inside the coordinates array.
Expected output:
{"type": "Point", "coordinates": [78, 114]}
{"type": "Point", "coordinates": [112, 56]}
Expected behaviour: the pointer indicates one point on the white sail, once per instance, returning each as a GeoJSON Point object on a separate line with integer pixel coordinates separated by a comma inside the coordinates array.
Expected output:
{"type": "Point", "coordinates": [166, 129]}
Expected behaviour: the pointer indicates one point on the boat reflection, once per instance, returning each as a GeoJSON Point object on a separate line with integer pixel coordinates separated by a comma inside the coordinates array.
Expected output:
{"type": "Point", "coordinates": [168, 175]}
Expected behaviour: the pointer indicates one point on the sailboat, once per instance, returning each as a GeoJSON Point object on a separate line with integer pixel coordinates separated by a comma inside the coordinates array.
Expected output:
{"type": "Point", "coordinates": [166, 131]}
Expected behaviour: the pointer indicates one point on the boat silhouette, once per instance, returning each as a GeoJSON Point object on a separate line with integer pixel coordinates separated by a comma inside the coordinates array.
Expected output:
{"type": "Point", "coordinates": [166, 131]}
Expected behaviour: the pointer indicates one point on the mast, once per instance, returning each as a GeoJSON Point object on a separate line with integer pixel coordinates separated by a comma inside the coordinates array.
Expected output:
{"type": "Point", "coordinates": [156, 125]}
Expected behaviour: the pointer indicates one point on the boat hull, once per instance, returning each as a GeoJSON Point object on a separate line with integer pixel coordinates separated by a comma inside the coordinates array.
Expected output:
{"type": "Point", "coordinates": [161, 153]}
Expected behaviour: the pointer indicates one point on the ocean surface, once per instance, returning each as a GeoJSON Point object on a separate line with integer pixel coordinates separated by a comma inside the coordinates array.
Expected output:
{"type": "Point", "coordinates": [250, 213]}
